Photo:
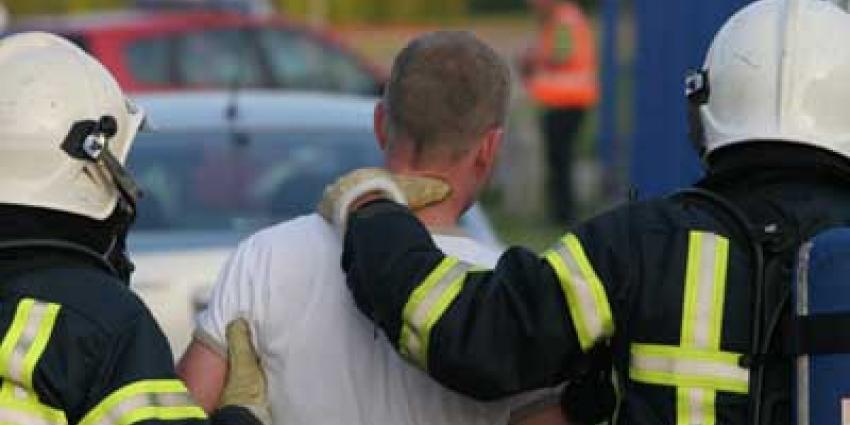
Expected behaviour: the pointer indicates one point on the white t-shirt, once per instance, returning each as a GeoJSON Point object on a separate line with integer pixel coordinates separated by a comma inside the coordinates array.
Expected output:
{"type": "Point", "coordinates": [325, 362]}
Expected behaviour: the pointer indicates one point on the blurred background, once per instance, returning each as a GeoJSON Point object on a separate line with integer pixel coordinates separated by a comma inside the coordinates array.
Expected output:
{"type": "Point", "coordinates": [158, 46]}
{"type": "Point", "coordinates": [258, 104]}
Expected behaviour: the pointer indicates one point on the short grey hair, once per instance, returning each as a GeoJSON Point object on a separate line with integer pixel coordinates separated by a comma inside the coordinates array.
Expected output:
{"type": "Point", "coordinates": [446, 90]}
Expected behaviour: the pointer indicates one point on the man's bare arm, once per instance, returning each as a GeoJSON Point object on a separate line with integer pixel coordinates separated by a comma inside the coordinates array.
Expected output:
{"type": "Point", "coordinates": [204, 370]}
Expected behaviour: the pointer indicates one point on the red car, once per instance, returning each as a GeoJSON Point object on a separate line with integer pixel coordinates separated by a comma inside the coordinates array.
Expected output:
{"type": "Point", "coordinates": [174, 50]}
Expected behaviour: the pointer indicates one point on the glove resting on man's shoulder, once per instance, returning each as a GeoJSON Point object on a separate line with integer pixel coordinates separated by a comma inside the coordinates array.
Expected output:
{"type": "Point", "coordinates": [348, 192]}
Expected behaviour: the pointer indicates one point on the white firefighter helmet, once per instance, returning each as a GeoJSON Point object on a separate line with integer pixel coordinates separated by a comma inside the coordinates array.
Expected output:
{"type": "Point", "coordinates": [65, 128]}
{"type": "Point", "coordinates": [778, 70]}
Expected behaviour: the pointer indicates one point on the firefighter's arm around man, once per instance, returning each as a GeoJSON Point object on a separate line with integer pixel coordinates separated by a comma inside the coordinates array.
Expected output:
{"type": "Point", "coordinates": [66, 367]}
{"type": "Point", "coordinates": [440, 312]}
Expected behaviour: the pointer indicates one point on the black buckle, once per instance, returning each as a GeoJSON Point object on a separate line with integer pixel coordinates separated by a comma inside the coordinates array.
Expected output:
{"type": "Point", "coordinates": [88, 140]}
{"type": "Point", "coordinates": [697, 88]}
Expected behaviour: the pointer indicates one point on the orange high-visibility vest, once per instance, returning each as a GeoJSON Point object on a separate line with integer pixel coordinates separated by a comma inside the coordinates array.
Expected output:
{"type": "Point", "coordinates": [565, 69]}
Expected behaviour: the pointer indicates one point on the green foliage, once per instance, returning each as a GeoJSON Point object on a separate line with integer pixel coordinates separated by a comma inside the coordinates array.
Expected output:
{"type": "Point", "coordinates": [31, 7]}
{"type": "Point", "coordinates": [379, 10]}
{"type": "Point", "coordinates": [489, 6]}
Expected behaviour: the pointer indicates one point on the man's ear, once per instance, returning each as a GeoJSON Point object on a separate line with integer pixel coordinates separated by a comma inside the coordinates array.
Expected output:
{"type": "Point", "coordinates": [380, 125]}
{"type": "Point", "coordinates": [488, 151]}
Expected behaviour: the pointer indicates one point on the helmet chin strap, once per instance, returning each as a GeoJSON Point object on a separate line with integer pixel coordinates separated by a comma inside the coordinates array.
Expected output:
{"type": "Point", "coordinates": [89, 141]}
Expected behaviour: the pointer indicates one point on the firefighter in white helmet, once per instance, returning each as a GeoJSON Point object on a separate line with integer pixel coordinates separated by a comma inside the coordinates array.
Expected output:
{"type": "Point", "coordinates": [688, 294]}
{"type": "Point", "coordinates": [77, 345]}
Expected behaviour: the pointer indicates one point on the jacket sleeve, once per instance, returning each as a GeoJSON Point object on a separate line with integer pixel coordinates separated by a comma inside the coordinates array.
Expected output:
{"type": "Point", "coordinates": [486, 333]}
{"type": "Point", "coordinates": [137, 383]}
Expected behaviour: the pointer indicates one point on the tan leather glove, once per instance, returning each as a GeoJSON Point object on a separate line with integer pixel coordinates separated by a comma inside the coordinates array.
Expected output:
{"type": "Point", "coordinates": [246, 381]}
{"type": "Point", "coordinates": [415, 192]}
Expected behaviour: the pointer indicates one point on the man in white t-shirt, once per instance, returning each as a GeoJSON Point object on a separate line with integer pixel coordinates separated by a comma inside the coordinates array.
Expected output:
{"type": "Point", "coordinates": [442, 116]}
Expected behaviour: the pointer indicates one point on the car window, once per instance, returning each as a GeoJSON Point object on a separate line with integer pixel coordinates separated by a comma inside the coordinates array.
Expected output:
{"type": "Point", "coordinates": [219, 58]}
{"type": "Point", "coordinates": [202, 181]}
{"type": "Point", "coordinates": [149, 60]}
{"type": "Point", "coordinates": [348, 76]}
{"type": "Point", "coordinates": [302, 62]}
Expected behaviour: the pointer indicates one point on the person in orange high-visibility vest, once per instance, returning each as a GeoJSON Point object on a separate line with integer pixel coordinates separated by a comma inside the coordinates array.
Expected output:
{"type": "Point", "coordinates": [560, 73]}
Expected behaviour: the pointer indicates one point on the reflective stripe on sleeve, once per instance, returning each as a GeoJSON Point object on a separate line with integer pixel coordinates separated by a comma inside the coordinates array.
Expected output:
{"type": "Point", "coordinates": [20, 351]}
{"type": "Point", "coordinates": [29, 413]}
{"type": "Point", "coordinates": [428, 302]}
{"type": "Point", "coordinates": [145, 400]}
{"type": "Point", "coordinates": [689, 368]}
{"type": "Point", "coordinates": [585, 295]}
{"type": "Point", "coordinates": [26, 340]}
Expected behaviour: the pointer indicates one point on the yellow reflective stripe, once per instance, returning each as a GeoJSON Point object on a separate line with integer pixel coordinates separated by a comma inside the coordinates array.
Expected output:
{"type": "Point", "coordinates": [162, 413]}
{"type": "Point", "coordinates": [721, 266]}
{"type": "Point", "coordinates": [165, 399]}
{"type": "Point", "coordinates": [428, 302]}
{"type": "Point", "coordinates": [10, 340]}
{"type": "Point", "coordinates": [583, 290]}
{"type": "Point", "coordinates": [26, 339]}
{"type": "Point", "coordinates": [13, 410]}
{"type": "Point", "coordinates": [688, 367]}
{"type": "Point", "coordinates": [691, 284]}
{"type": "Point", "coordinates": [38, 345]}
{"type": "Point", "coordinates": [6, 390]}
{"type": "Point", "coordinates": [702, 315]}
{"type": "Point", "coordinates": [695, 406]}
{"type": "Point", "coordinates": [705, 289]}
{"type": "Point", "coordinates": [442, 305]}
{"type": "Point", "coordinates": [20, 351]}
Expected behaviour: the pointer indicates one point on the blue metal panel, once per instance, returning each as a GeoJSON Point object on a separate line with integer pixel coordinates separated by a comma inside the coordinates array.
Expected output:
{"type": "Point", "coordinates": [608, 133]}
{"type": "Point", "coordinates": [673, 36]}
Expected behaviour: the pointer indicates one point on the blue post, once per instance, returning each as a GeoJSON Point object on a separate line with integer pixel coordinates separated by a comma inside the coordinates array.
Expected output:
{"type": "Point", "coordinates": [673, 36]}
{"type": "Point", "coordinates": [608, 122]}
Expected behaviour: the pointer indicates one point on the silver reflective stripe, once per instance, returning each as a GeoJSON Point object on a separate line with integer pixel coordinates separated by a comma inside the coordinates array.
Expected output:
{"type": "Point", "coordinates": [158, 399]}
{"type": "Point", "coordinates": [25, 342]}
{"type": "Point", "coordinates": [581, 286]}
{"type": "Point", "coordinates": [697, 368]}
{"type": "Point", "coordinates": [420, 314]}
{"type": "Point", "coordinates": [426, 304]}
{"type": "Point", "coordinates": [586, 298]}
{"type": "Point", "coordinates": [120, 411]}
{"type": "Point", "coordinates": [702, 321]}
{"type": "Point", "coordinates": [703, 312]}
{"type": "Point", "coordinates": [692, 368]}
{"type": "Point", "coordinates": [696, 397]}
{"type": "Point", "coordinates": [802, 309]}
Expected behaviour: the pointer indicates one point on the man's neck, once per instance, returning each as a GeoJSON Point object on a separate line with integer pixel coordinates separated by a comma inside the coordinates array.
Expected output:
{"type": "Point", "coordinates": [443, 215]}
{"type": "Point", "coordinates": [439, 216]}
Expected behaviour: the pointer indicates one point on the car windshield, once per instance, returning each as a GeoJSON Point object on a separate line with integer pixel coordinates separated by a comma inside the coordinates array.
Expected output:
{"type": "Point", "coordinates": [215, 181]}
{"type": "Point", "coordinates": [262, 56]}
